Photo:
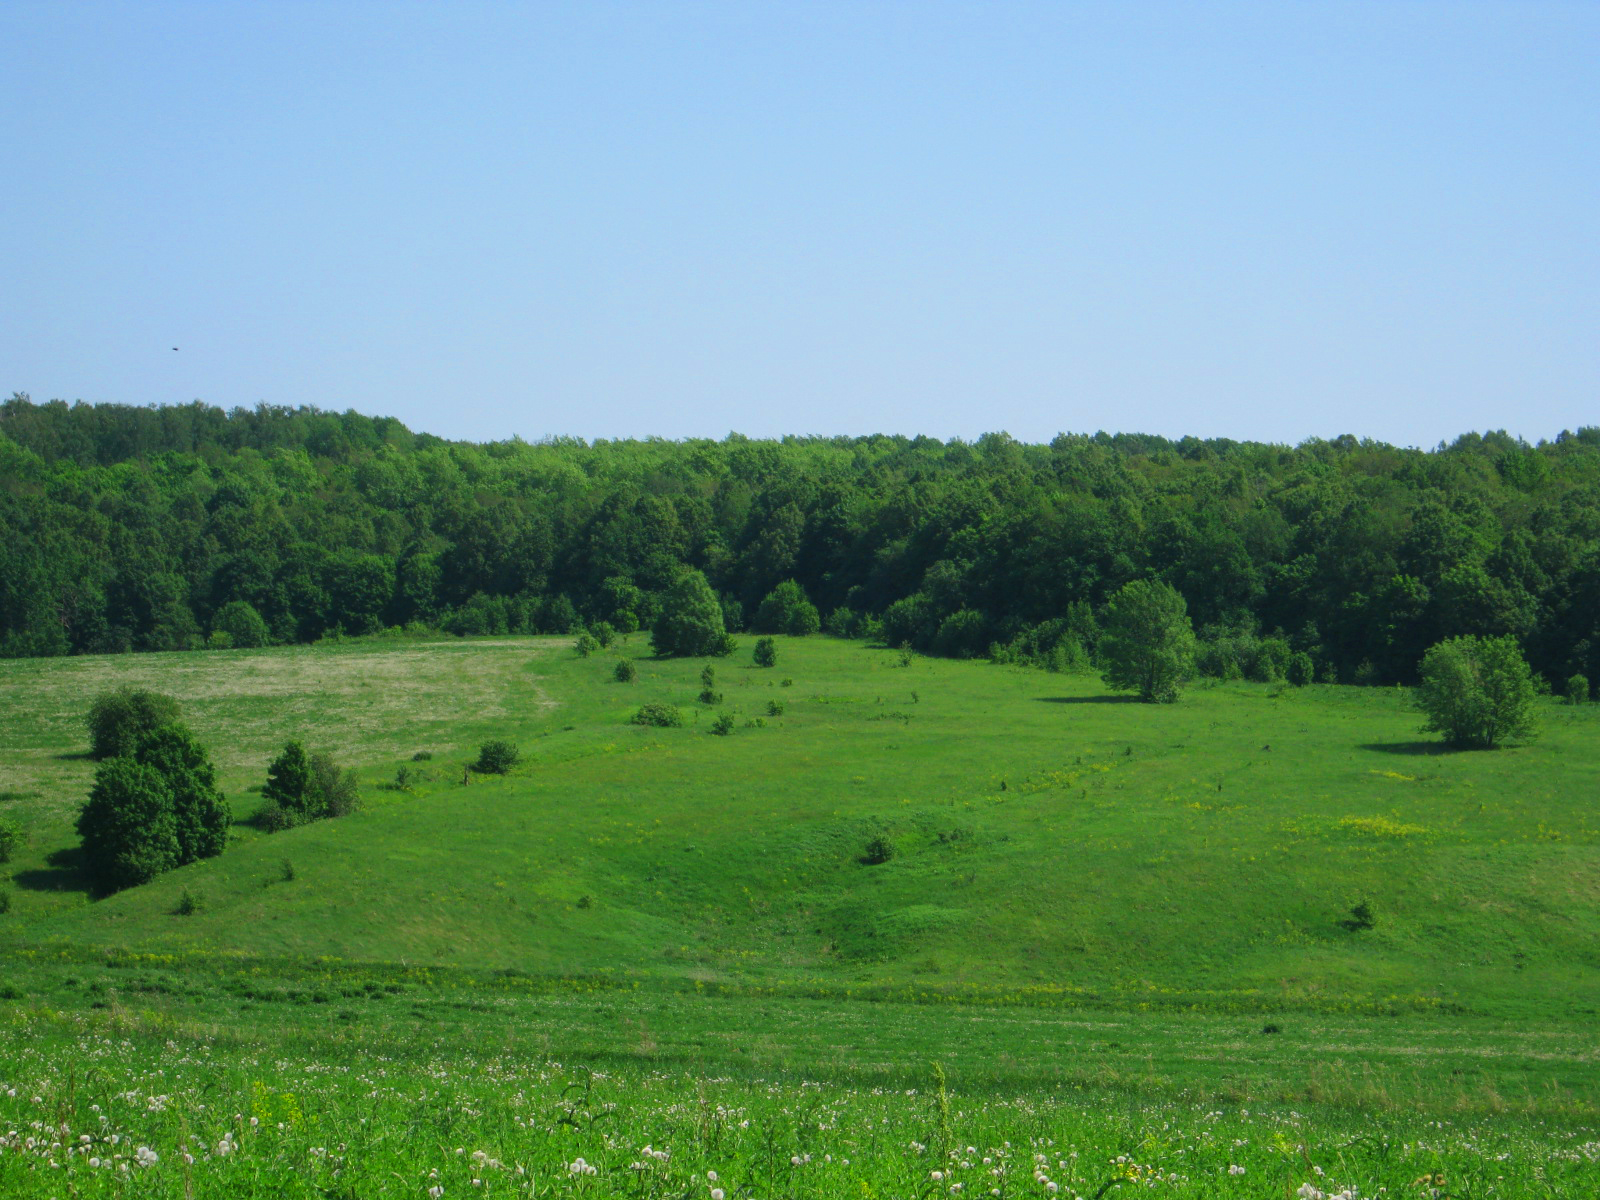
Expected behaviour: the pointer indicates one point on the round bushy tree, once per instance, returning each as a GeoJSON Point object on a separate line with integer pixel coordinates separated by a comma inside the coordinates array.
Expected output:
{"type": "Point", "coordinates": [786, 610]}
{"type": "Point", "coordinates": [1477, 691]}
{"type": "Point", "coordinates": [691, 620]}
{"type": "Point", "coordinates": [766, 653]}
{"type": "Point", "coordinates": [200, 811]}
{"type": "Point", "coordinates": [118, 719]}
{"type": "Point", "coordinates": [626, 672]}
{"type": "Point", "coordinates": [128, 828]}
{"type": "Point", "coordinates": [1147, 641]}
{"type": "Point", "coordinates": [496, 758]}
{"type": "Point", "coordinates": [242, 623]}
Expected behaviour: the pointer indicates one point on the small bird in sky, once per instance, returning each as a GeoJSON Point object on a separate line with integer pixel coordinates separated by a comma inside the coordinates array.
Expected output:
{"type": "Point", "coordinates": [174, 347]}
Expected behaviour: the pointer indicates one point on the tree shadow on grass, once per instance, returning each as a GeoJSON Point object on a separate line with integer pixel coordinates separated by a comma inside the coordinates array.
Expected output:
{"type": "Point", "coordinates": [1424, 748]}
{"type": "Point", "coordinates": [63, 872]}
{"type": "Point", "coordinates": [1087, 699]}
{"type": "Point", "coordinates": [73, 756]}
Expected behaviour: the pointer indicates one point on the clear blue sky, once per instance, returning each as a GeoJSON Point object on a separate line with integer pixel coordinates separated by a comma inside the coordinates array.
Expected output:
{"type": "Point", "coordinates": [1265, 221]}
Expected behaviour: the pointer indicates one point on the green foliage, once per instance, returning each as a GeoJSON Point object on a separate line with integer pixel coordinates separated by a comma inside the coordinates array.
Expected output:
{"type": "Point", "coordinates": [879, 850]}
{"type": "Point", "coordinates": [708, 676]}
{"type": "Point", "coordinates": [1301, 671]}
{"type": "Point", "coordinates": [585, 645]}
{"type": "Point", "coordinates": [336, 792]}
{"type": "Point", "coordinates": [1477, 692]}
{"type": "Point", "coordinates": [690, 621]}
{"type": "Point", "coordinates": [723, 725]}
{"type": "Point", "coordinates": [787, 610]}
{"type": "Point", "coordinates": [496, 758]}
{"type": "Point", "coordinates": [189, 903]}
{"type": "Point", "coordinates": [200, 812]}
{"type": "Point", "coordinates": [243, 625]}
{"type": "Point", "coordinates": [288, 785]}
{"type": "Point", "coordinates": [765, 653]}
{"type": "Point", "coordinates": [1148, 643]}
{"type": "Point", "coordinates": [774, 708]}
{"type": "Point", "coordinates": [663, 716]}
{"type": "Point", "coordinates": [128, 828]}
{"type": "Point", "coordinates": [626, 671]}
{"type": "Point", "coordinates": [10, 839]}
{"type": "Point", "coordinates": [1577, 689]}
{"type": "Point", "coordinates": [604, 634]}
{"type": "Point", "coordinates": [119, 718]}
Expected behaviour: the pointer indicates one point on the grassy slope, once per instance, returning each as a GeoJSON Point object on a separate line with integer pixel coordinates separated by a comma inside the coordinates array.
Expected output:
{"type": "Point", "coordinates": [1048, 836]}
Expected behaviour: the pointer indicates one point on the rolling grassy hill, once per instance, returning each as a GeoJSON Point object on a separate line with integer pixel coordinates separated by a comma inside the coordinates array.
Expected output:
{"type": "Point", "coordinates": [1052, 843]}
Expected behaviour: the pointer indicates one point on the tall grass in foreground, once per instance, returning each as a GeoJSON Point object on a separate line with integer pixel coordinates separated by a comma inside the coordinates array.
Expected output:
{"type": "Point", "coordinates": [96, 1111]}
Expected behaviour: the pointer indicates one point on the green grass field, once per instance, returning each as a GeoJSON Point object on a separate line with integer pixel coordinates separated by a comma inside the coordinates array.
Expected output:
{"type": "Point", "coordinates": [1095, 909]}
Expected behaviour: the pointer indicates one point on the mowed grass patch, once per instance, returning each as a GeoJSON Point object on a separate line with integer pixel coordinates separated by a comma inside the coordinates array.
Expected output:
{"type": "Point", "coordinates": [1051, 843]}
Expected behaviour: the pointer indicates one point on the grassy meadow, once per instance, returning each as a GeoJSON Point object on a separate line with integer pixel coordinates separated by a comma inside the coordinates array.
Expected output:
{"type": "Point", "coordinates": [1117, 929]}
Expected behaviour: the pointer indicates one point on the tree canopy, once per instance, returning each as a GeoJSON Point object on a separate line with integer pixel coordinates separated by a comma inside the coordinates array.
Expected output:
{"type": "Point", "coordinates": [1148, 643]}
{"type": "Point", "coordinates": [1477, 692]}
{"type": "Point", "coordinates": [126, 528]}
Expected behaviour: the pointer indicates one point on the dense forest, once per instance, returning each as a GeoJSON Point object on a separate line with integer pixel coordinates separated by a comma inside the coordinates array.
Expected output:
{"type": "Point", "coordinates": [125, 528]}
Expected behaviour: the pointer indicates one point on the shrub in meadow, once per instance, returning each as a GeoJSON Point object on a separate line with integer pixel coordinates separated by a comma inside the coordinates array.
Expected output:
{"type": "Point", "coordinates": [691, 620]}
{"type": "Point", "coordinates": [660, 715]}
{"type": "Point", "coordinates": [585, 645]}
{"type": "Point", "coordinates": [129, 832]}
{"type": "Point", "coordinates": [879, 850]}
{"type": "Point", "coordinates": [117, 719]}
{"type": "Point", "coordinates": [604, 633]}
{"type": "Point", "coordinates": [1301, 670]}
{"type": "Point", "coordinates": [723, 725]}
{"type": "Point", "coordinates": [10, 839]}
{"type": "Point", "coordinates": [626, 672]}
{"type": "Point", "coordinates": [766, 652]}
{"type": "Point", "coordinates": [1577, 690]}
{"type": "Point", "coordinates": [1148, 644]}
{"type": "Point", "coordinates": [188, 904]}
{"type": "Point", "coordinates": [774, 708]}
{"type": "Point", "coordinates": [496, 758]}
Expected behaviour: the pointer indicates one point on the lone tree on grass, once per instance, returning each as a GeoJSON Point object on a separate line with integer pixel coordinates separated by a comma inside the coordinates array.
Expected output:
{"type": "Point", "coordinates": [1147, 641]}
{"type": "Point", "coordinates": [302, 787]}
{"type": "Point", "coordinates": [1478, 692]}
{"type": "Point", "coordinates": [690, 621]}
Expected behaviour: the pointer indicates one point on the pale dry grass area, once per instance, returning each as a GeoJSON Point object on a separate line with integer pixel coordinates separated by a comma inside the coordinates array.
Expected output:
{"type": "Point", "coordinates": [367, 703]}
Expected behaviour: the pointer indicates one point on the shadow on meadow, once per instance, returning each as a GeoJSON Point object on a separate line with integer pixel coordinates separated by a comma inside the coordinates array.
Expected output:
{"type": "Point", "coordinates": [1087, 699]}
{"type": "Point", "coordinates": [62, 872]}
{"type": "Point", "coordinates": [73, 756]}
{"type": "Point", "coordinates": [1424, 748]}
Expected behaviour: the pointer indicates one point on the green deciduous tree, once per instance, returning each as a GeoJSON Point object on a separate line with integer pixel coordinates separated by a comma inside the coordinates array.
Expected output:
{"type": "Point", "coordinates": [242, 623]}
{"type": "Point", "coordinates": [1147, 642]}
{"type": "Point", "coordinates": [690, 621]}
{"type": "Point", "coordinates": [1477, 692]}
{"type": "Point", "coordinates": [117, 720]}
{"type": "Point", "coordinates": [128, 827]}
{"type": "Point", "coordinates": [200, 811]}
{"type": "Point", "coordinates": [766, 653]}
{"type": "Point", "coordinates": [786, 610]}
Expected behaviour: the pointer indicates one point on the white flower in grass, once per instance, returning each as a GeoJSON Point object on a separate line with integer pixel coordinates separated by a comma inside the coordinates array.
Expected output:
{"type": "Point", "coordinates": [146, 1156]}
{"type": "Point", "coordinates": [1235, 1169]}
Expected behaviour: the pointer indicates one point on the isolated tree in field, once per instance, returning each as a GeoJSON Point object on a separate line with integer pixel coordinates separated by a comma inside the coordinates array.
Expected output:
{"type": "Point", "coordinates": [118, 719]}
{"type": "Point", "coordinates": [766, 653]}
{"type": "Point", "coordinates": [334, 792]}
{"type": "Point", "coordinates": [128, 828]}
{"type": "Point", "coordinates": [691, 620]}
{"type": "Point", "coordinates": [242, 623]}
{"type": "Point", "coordinates": [200, 812]}
{"type": "Point", "coordinates": [1477, 691]}
{"type": "Point", "coordinates": [1147, 642]}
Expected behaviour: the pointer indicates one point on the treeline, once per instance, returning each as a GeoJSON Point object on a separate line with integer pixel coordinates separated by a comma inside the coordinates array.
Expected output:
{"type": "Point", "coordinates": [126, 528]}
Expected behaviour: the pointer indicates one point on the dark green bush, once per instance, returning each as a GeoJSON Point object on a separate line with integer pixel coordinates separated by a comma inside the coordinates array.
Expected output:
{"type": "Point", "coordinates": [766, 653]}
{"type": "Point", "coordinates": [422, 756]}
{"type": "Point", "coordinates": [774, 708]}
{"type": "Point", "coordinates": [626, 672]}
{"type": "Point", "coordinates": [879, 850]}
{"type": "Point", "coordinates": [10, 839]}
{"type": "Point", "coordinates": [660, 715]}
{"type": "Point", "coordinates": [1301, 670]}
{"type": "Point", "coordinates": [117, 719]}
{"type": "Point", "coordinates": [604, 633]}
{"type": "Point", "coordinates": [496, 758]}
{"type": "Point", "coordinates": [585, 645]}
{"type": "Point", "coordinates": [1577, 690]}
{"type": "Point", "coordinates": [723, 725]}
{"type": "Point", "coordinates": [188, 904]}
